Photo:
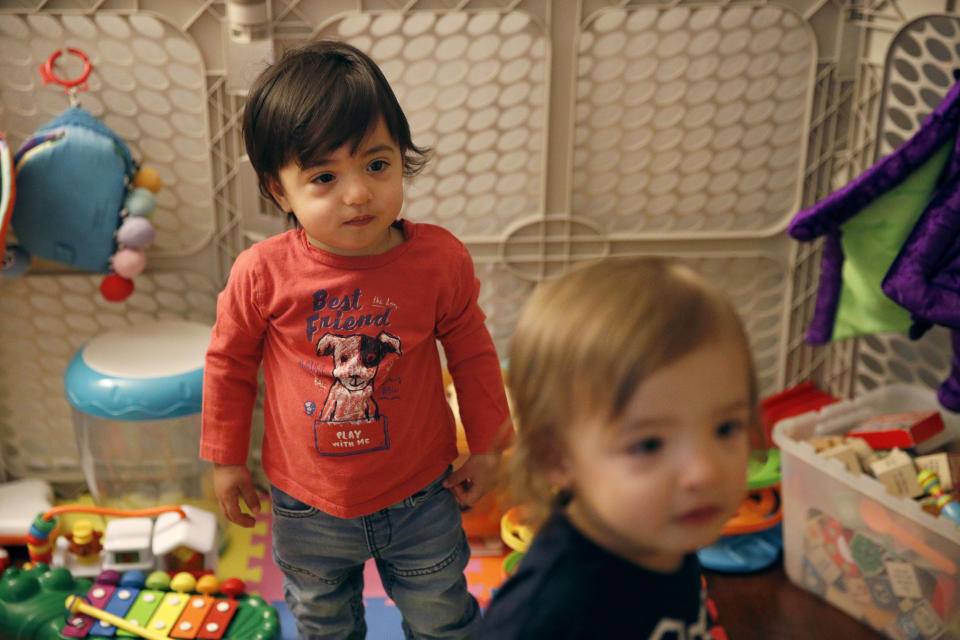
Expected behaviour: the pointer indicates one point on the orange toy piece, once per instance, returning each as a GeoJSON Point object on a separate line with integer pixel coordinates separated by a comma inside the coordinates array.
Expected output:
{"type": "Point", "coordinates": [759, 511]}
{"type": "Point", "coordinates": [517, 535]}
{"type": "Point", "coordinates": [481, 523]}
{"type": "Point", "coordinates": [107, 511]}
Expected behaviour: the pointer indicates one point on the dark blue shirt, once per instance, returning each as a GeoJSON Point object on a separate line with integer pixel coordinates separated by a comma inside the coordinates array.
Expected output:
{"type": "Point", "coordinates": [567, 587]}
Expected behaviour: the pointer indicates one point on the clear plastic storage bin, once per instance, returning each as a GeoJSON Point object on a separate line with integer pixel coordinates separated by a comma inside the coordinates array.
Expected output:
{"type": "Point", "coordinates": [878, 557]}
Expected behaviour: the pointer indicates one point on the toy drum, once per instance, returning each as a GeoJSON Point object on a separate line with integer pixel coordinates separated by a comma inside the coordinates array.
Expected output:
{"type": "Point", "coordinates": [136, 399]}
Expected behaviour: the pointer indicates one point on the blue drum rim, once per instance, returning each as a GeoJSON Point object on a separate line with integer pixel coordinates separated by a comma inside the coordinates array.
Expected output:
{"type": "Point", "coordinates": [128, 398]}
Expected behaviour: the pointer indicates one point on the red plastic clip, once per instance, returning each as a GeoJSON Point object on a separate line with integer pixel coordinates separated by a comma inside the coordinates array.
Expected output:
{"type": "Point", "coordinates": [80, 82]}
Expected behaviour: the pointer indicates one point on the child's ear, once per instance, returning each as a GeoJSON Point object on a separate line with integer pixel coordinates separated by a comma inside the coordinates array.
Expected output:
{"type": "Point", "coordinates": [560, 480]}
{"type": "Point", "coordinates": [276, 190]}
{"type": "Point", "coordinates": [557, 469]}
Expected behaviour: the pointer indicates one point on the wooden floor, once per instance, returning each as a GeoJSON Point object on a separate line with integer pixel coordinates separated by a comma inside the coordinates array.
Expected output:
{"type": "Point", "coordinates": [767, 606]}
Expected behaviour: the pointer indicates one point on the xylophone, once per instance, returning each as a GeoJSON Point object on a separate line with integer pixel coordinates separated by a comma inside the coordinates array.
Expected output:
{"type": "Point", "coordinates": [41, 603]}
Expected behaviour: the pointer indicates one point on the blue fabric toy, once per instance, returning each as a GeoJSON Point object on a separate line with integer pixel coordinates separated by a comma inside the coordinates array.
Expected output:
{"type": "Point", "coordinates": [76, 191]}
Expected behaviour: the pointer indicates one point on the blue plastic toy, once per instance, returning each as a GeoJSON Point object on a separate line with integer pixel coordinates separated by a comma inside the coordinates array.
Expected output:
{"type": "Point", "coordinates": [753, 539]}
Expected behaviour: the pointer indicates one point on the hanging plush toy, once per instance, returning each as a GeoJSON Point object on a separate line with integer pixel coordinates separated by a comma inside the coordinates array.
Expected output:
{"type": "Point", "coordinates": [892, 244]}
{"type": "Point", "coordinates": [81, 197]}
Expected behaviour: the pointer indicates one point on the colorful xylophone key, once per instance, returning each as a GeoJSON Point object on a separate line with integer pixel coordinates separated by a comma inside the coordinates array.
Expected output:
{"type": "Point", "coordinates": [79, 625]}
{"type": "Point", "coordinates": [219, 616]}
{"type": "Point", "coordinates": [155, 606]}
{"type": "Point", "coordinates": [188, 624]}
{"type": "Point", "coordinates": [166, 615]}
{"type": "Point", "coordinates": [118, 605]}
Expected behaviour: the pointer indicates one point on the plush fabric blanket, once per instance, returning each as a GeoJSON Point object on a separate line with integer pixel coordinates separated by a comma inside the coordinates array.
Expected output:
{"type": "Point", "coordinates": [891, 258]}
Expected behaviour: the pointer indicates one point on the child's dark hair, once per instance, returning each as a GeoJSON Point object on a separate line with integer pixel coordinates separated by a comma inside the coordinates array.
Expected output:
{"type": "Point", "coordinates": [314, 100]}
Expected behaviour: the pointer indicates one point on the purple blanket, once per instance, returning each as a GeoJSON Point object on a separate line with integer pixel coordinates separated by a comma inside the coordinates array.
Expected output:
{"type": "Point", "coordinates": [924, 278]}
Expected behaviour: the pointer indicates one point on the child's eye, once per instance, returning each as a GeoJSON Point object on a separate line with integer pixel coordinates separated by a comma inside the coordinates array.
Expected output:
{"type": "Point", "coordinates": [379, 165]}
{"type": "Point", "coordinates": [646, 446]}
{"type": "Point", "coordinates": [324, 178]}
{"type": "Point", "coordinates": [729, 428]}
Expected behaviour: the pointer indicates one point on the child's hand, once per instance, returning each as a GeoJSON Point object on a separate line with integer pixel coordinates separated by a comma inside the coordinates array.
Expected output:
{"type": "Point", "coordinates": [474, 479]}
{"type": "Point", "coordinates": [230, 482]}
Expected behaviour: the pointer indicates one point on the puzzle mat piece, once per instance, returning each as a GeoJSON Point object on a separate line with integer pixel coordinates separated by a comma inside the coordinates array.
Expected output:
{"type": "Point", "coordinates": [383, 620]}
{"type": "Point", "coordinates": [382, 616]}
{"type": "Point", "coordinates": [270, 585]}
{"type": "Point", "coordinates": [244, 546]}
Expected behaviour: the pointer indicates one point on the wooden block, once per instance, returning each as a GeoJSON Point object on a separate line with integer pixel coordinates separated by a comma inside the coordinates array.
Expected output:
{"type": "Point", "coordinates": [945, 465]}
{"type": "Point", "coordinates": [903, 580]}
{"type": "Point", "coordinates": [813, 529]}
{"type": "Point", "coordinates": [882, 593]}
{"type": "Point", "coordinates": [863, 450]}
{"type": "Point", "coordinates": [823, 564]}
{"type": "Point", "coordinates": [867, 554]}
{"type": "Point", "coordinates": [845, 454]}
{"type": "Point", "coordinates": [826, 442]}
{"type": "Point", "coordinates": [921, 622]}
{"type": "Point", "coordinates": [897, 474]}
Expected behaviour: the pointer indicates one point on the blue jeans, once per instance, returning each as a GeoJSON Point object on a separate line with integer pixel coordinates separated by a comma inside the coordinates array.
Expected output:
{"type": "Point", "coordinates": [420, 551]}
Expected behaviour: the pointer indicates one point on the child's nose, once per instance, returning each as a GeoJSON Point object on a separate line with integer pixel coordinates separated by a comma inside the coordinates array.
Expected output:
{"type": "Point", "coordinates": [356, 191]}
{"type": "Point", "coordinates": [702, 468]}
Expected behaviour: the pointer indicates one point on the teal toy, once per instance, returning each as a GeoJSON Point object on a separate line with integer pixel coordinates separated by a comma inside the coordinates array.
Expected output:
{"type": "Point", "coordinates": [77, 188]}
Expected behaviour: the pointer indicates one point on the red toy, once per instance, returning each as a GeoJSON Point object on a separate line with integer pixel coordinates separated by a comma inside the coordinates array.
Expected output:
{"type": "Point", "coordinates": [904, 430]}
{"type": "Point", "coordinates": [7, 191]}
{"type": "Point", "coordinates": [799, 399]}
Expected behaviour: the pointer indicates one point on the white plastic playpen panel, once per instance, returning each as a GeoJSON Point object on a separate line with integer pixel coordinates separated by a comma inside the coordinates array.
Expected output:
{"type": "Point", "coordinates": [562, 131]}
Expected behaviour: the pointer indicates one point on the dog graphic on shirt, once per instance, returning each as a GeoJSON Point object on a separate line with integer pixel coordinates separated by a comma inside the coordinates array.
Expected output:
{"type": "Point", "coordinates": [357, 359]}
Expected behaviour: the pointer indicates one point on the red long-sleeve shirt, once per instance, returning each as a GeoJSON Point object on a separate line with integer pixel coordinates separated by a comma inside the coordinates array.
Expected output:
{"type": "Point", "coordinates": [354, 410]}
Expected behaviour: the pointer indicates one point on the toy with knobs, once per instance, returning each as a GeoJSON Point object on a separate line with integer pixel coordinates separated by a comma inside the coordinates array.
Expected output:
{"type": "Point", "coordinates": [44, 603]}
{"type": "Point", "coordinates": [150, 579]}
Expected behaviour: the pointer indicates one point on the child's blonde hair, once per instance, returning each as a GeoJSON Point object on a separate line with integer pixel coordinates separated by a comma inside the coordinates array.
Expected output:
{"type": "Point", "coordinates": [587, 340]}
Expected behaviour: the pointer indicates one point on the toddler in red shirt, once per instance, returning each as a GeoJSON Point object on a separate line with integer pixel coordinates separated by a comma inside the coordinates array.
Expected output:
{"type": "Point", "coordinates": [344, 313]}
